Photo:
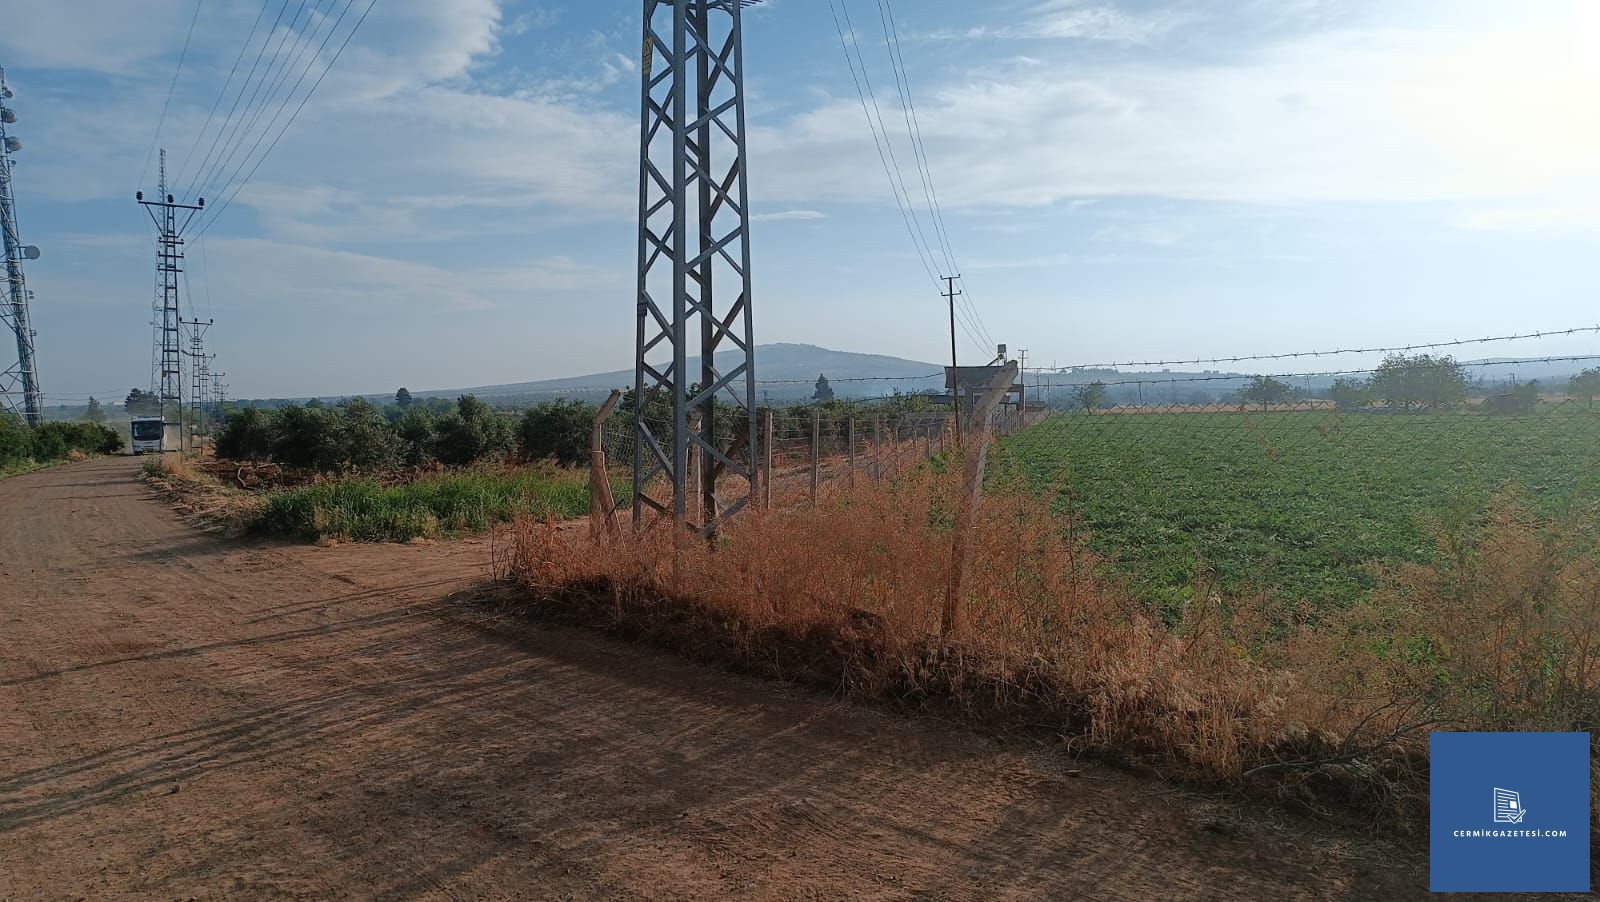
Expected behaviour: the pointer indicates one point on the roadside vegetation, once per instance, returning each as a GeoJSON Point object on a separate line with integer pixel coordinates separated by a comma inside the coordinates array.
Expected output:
{"type": "Point", "coordinates": [355, 472]}
{"type": "Point", "coordinates": [23, 448]}
{"type": "Point", "coordinates": [363, 509]}
{"type": "Point", "coordinates": [1327, 708]}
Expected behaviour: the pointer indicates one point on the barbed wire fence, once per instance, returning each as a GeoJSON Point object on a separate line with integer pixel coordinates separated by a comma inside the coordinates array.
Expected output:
{"type": "Point", "coordinates": [1300, 482]}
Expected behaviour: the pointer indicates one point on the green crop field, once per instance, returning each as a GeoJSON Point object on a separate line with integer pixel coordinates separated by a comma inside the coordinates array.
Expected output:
{"type": "Point", "coordinates": [1297, 503]}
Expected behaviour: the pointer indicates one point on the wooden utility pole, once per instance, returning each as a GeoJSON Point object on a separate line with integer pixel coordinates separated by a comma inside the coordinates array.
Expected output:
{"type": "Point", "coordinates": [955, 384]}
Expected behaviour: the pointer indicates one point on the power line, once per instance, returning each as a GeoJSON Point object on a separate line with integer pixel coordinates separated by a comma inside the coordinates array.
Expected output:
{"type": "Point", "coordinates": [1399, 349]}
{"type": "Point", "coordinates": [272, 81]}
{"type": "Point", "coordinates": [908, 106]}
{"type": "Point", "coordinates": [239, 57]}
{"type": "Point", "coordinates": [891, 166]}
{"type": "Point", "coordinates": [184, 54]}
{"type": "Point", "coordinates": [239, 135]}
{"type": "Point", "coordinates": [272, 93]}
{"type": "Point", "coordinates": [206, 162]}
{"type": "Point", "coordinates": [240, 186]}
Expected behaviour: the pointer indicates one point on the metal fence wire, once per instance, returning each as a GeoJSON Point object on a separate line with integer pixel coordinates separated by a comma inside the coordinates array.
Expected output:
{"type": "Point", "coordinates": [1304, 486]}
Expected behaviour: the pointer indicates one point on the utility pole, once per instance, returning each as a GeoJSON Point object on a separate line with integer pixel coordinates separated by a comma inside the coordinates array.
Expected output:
{"type": "Point", "coordinates": [169, 267]}
{"type": "Point", "coordinates": [951, 294]}
{"type": "Point", "coordinates": [1022, 380]}
{"type": "Point", "coordinates": [694, 233]}
{"type": "Point", "coordinates": [197, 372]}
{"type": "Point", "coordinates": [23, 376]}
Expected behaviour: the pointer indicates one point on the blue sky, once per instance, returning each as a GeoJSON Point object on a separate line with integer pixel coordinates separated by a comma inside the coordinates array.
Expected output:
{"type": "Point", "coordinates": [1120, 181]}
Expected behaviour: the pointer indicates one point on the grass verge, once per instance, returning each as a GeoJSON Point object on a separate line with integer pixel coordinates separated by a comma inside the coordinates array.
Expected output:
{"type": "Point", "coordinates": [365, 510]}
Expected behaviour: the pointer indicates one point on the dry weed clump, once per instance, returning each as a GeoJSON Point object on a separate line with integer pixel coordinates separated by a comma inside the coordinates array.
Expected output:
{"type": "Point", "coordinates": [847, 592]}
{"type": "Point", "coordinates": [1331, 707]}
{"type": "Point", "coordinates": [200, 495]}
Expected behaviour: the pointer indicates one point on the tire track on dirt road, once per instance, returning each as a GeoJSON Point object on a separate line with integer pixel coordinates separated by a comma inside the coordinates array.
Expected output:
{"type": "Point", "coordinates": [182, 715]}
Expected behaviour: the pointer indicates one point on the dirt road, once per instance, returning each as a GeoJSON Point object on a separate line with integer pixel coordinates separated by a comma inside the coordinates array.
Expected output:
{"type": "Point", "coordinates": [187, 717]}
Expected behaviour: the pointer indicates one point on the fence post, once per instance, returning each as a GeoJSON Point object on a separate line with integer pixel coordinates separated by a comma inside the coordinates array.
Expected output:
{"type": "Point", "coordinates": [877, 448]}
{"type": "Point", "coordinates": [602, 506]}
{"type": "Point", "coordinates": [766, 450]}
{"type": "Point", "coordinates": [852, 452]}
{"type": "Point", "coordinates": [976, 450]}
{"type": "Point", "coordinates": [816, 451]}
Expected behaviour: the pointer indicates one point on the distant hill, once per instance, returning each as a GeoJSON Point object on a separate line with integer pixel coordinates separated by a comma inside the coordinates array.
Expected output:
{"type": "Point", "coordinates": [786, 371]}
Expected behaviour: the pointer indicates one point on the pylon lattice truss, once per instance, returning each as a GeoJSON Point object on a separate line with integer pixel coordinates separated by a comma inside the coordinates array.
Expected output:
{"type": "Point", "coordinates": [697, 463]}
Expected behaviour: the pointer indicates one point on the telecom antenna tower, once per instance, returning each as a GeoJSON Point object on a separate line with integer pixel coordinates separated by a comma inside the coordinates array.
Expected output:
{"type": "Point", "coordinates": [22, 377]}
{"type": "Point", "coordinates": [694, 235]}
{"type": "Point", "coordinates": [169, 268]}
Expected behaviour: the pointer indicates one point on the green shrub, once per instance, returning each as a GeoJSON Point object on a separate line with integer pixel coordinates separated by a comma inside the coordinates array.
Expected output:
{"type": "Point", "coordinates": [558, 431]}
{"type": "Point", "coordinates": [473, 433]}
{"type": "Point", "coordinates": [247, 435]}
{"type": "Point", "coordinates": [16, 447]}
{"type": "Point", "coordinates": [366, 439]}
{"type": "Point", "coordinates": [417, 433]}
{"type": "Point", "coordinates": [307, 437]}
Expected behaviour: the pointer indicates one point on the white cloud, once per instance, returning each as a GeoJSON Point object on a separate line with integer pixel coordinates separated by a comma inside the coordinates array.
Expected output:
{"type": "Point", "coordinates": [1448, 114]}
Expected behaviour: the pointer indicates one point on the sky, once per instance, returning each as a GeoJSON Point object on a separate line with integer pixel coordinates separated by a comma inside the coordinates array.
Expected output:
{"type": "Point", "coordinates": [1147, 179]}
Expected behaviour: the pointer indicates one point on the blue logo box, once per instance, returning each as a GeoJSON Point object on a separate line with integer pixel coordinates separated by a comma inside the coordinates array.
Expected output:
{"type": "Point", "coordinates": [1509, 812]}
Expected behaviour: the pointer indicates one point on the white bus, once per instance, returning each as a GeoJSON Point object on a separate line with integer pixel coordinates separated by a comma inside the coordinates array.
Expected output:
{"type": "Point", "coordinates": [155, 434]}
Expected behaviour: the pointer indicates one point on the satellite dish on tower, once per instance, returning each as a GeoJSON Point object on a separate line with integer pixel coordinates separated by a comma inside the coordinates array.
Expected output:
{"type": "Point", "coordinates": [6, 92]}
{"type": "Point", "coordinates": [13, 144]}
{"type": "Point", "coordinates": [7, 115]}
{"type": "Point", "coordinates": [30, 251]}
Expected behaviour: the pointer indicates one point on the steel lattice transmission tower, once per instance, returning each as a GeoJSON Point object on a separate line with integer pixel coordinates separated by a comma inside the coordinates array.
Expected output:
{"type": "Point", "coordinates": [166, 213]}
{"type": "Point", "coordinates": [694, 237]}
{"type": "Point", "coordinates": [23, 376]}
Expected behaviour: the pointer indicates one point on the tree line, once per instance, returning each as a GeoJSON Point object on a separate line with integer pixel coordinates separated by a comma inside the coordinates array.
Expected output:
{"type": "Point", "coordinates": [354, 435]}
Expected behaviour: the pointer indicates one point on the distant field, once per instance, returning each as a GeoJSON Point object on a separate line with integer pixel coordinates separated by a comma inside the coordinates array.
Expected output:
{"type": "Point", "coordinates": [1299, 503]}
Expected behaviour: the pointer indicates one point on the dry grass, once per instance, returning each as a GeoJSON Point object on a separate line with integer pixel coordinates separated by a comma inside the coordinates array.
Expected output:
{"type": "Point", "coordinates": [1331, 711]}
{"type": "Point", "coordinates": [201, 496]}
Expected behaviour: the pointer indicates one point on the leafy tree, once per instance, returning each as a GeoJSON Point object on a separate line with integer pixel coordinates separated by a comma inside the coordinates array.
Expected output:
{"type": "Point", "coordinates": [96, 413]}
{"type": "Point", "coordinates": [1423, 382]}
{"type": "Point", "coordinates": [472, 433]}
{"type": "Point", "coordinates": [1585, 385]}
{"type": "Point", "coordinates": [417, 434]}
{"type": "Point", "coordinates": [557, 430]}
{"type": "Point", "coordinates": [824, 392]}
{"type": "Point", "coordinates": [246, 435]}
{"type": "Point", "coordinates": [1266, 391]}
{"type": "Point", "coordinates": [1089, 395]}
{"type": "Point", "coordinates": [307, 437]}
{"type": "Point", "coordinates": [141, 403]}
{"type": "Point", "coordinates": [1350, 394]}
{"type": "Point", "coordinates": [403, 398]}
{"type": "Point", "coordinates": [366, 441]}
